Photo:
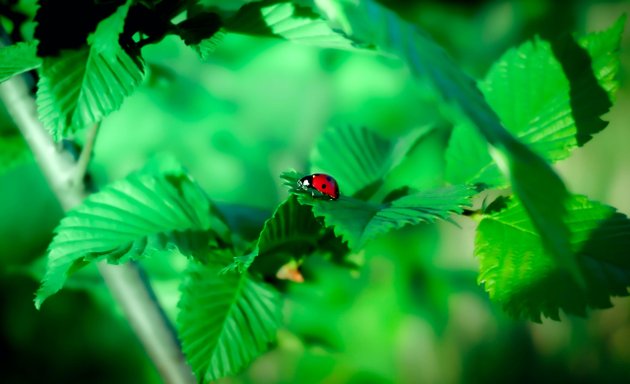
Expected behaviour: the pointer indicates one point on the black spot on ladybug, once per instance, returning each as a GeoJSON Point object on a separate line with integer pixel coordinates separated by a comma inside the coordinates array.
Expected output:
{"type": "Point", "coordinates": [328, 178]}
{"type": "Point", "coordinates": [323, 186]}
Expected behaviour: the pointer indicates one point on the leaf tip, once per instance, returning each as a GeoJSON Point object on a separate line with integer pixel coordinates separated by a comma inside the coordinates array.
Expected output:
{"type": "Point", "coordinates": [38, 301]}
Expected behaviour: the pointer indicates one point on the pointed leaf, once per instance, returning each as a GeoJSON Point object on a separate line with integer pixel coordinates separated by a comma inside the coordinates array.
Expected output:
{"type": "Point", "coordinates": [291, 232]}
{"type": "Point", "coordinates": [18, 58]}
{"type": "Point", "coordinates": [359, 221]}
{"type": "Point", "coordinates": [225, 321]}
{"type": "Point", "coordinates": [553, 113]}
{"type": "Point", "coordinates": [105, 39]}
{"type": "Point", "coordinates": [371, 22]}
{"type": "Point", "coordinates": [520, 274]}
{"type": "Point", "coordinates": [125, 221]}
{"type": "Point", "coordinates": [81, 87]}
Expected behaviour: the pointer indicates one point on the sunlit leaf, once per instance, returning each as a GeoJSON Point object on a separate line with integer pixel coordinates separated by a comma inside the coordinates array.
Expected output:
{"type": "Point", "coordinates": [285, 20]}
{"type": "Point", "coordinates": [18, 58]}
{"type": "Point", "coordinates": [540, 102]}
{"type": "Point", "coordinates": [81, 87]}
{"type": "Point", "coordinates": [125, 221]}
{"type": "Point", "coordinates": [289, 21]}
{"type": "Point", "coordinates": [521, 275]}
{"type": "Point", "coordinates": [537, 185]}
{"type": "Point", "coordinates": [226, 320]}
{"type": "Point", "coordinates": [358, 221]}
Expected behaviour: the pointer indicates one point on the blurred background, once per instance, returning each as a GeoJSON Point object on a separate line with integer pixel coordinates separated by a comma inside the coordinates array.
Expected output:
{"type": "Point", "coordinates": [414, 312]}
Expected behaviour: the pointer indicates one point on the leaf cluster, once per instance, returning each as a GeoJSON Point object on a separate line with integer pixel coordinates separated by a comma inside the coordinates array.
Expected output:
{"type": "Point", "coordinates": [228, 314]}
{"type": "Point", "coordinates": [543, 251]}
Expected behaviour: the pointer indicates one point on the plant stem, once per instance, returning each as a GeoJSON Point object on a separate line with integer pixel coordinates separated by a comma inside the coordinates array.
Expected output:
{"type": "Point", "coordinates": [132, 292]}
{"type": "Point", "coordinates": [81, 167]}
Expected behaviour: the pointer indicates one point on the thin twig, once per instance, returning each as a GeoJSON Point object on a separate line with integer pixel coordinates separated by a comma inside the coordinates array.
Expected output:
{"type": "Point", "coordinates": [124, 281]}
{"type": "Point", "coordinates": [81, 167]}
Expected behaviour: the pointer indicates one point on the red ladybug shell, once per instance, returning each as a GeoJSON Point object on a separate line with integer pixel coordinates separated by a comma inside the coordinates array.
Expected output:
{"type": "Point", "coordinates": [321, 182]}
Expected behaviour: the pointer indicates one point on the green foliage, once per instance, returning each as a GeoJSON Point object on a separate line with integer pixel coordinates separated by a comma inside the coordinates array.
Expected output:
{"type": "Point", "coordinates": [288, 21]}
{"type": "Point", "coordinates": [358, 221]}
{"type": "Point", "coordinates": [368, 21]}
{"type": "Point", "coordinates": [18, 58]}
{"type": "Point", "coordinates": [81, 87]}
{"type": "Point", "coordinates": [126, 221]}
{"type": "Point", "coordinates": [105, 39]}
{"type": "Point", "coordinates": [289, 233]}
{"type": "Point", "coordinates": [518, 272]}
{"type": "Point", "coordinates": [356, 156]}
{"type": "Point", "coordinates": [284, 20]}
{"type": "Point", "coordinates": [544, 252]}
{"type": "Point", "coordinates": [468, 158]}
{"type": "Point", "coordinates": [529, 90]}
{"type": "Point", "coordinates": [226, 320]}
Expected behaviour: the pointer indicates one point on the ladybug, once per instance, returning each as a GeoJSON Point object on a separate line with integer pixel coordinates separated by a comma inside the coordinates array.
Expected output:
{"type": "Point", "coordinates": [322, 183]}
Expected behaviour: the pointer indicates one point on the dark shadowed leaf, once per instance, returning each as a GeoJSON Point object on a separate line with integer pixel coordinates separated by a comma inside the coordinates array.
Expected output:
{"type": "Point", "coordinates": [291, 232]}
{"type": "Point", "coordinates": [520, 274]}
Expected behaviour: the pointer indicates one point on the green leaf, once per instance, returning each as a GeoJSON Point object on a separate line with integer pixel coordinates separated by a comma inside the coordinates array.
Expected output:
{"type": "Point", "coordinates": [127, 220]}
{"type": "Point", "coordinates": [591, 65]}
{"type": "Point", "coordinates": [520, 274]}
{"type": "Point", "coordinates": [203, 31]}
{"type": "Point", "coordinates": [80, 87]}
{"type": "Point", "coordinates": [537, 185]}
{"type": "Point", "coordinates": [291, 22]}
{"type": "Point", "coordinates": [557, 108]}
{"type": "Point", "coordinates": [358, 221]}
{"type": "Point", "coordinates": [286, 20]}
{"type": "Point", "coordinates": [292, 231]}
{"type": "Point", "coordinates": [360, 159]}
{"type": "Point", "coordinates": [225, 320]}
{"type": "Point", "coordinates": [105, 39]}
{"type": "Point", "coordinates": [18, 58]}
{"type": "Point", "coordinates": [468, 159]}
{"type": "Point", "coordinates": [355, 156]}
{"type": "Point", "coordinates": [13, 152]}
